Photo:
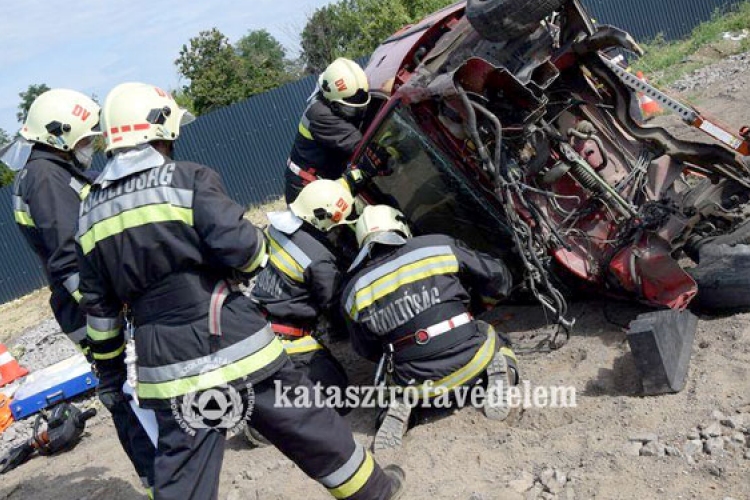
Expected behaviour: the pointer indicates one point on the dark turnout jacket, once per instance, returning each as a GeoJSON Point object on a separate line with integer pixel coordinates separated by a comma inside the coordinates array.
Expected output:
{"type": "Point", "coordinates": [302, 280]}
{"type": "Point", "coordinates": [324, 142]}
{"type": "Point", "coordinates": [47, 193]}
{"type": "Point", "coordinates": [162, 241]}
{"type": "Point", "coordinates": [400, 290]}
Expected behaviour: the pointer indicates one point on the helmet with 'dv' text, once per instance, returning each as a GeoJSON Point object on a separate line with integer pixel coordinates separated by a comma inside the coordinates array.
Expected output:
{"type": "Point", "coordinates": [345, 82]}
{"type": "Point", "coordinates": [60, 118]}
{"type": "Point", "coordinates": [138, 113]}
{"type": "Point", "coordinates": [324, 204]}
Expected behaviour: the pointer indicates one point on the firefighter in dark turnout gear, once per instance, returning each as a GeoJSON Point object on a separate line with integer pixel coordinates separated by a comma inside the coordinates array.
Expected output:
{"type": "Point", "coordinates": [302, 281]}
{"type": "Point", "coordinates": [163, 237]}
{"type": "Point", "coordinates": [55, 147]}
{"type": "Point", "coordinates": [407, 304]}
{"type": "Point", "coordinates": [328, 132]}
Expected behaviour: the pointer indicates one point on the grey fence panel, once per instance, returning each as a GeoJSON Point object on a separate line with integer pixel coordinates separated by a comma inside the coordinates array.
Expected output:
{"type": "Point", "coordinates": [645, 19]}
{"type": "Point", "coordinates": [20, 269]}
{"type": "Point", "coordinates": [248, 143]}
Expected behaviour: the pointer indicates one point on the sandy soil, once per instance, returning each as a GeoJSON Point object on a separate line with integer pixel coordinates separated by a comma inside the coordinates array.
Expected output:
{"type": "Point", "coordinates": [462, 455]}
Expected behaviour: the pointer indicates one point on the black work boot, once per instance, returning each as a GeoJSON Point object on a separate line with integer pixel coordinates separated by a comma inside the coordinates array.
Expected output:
{"type": "Point", "coordinates": [394, 426]}
{"type": "Point", "coordinates": [398, 481]}
{"type": "Point", "coordinates": [502, 374]}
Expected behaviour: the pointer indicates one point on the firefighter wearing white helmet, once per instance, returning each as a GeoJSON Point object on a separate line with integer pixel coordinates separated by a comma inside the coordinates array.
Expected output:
{"type": "Point", "coordinates": [328, 132]}
{"type": "Point", "coordinates": [137, 113]}
{"type": "Point", "coordinates": [55, 146]}
{"type": "Point", "coordinates": [421, 326]}
{"type": "Point", "coordinates": [164, 237]}
{"type": "Point", "coordinates": [297, 297]}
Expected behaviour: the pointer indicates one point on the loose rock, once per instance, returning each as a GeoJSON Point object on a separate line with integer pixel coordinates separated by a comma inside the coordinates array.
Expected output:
{"type": "Point", "coordinates": [713, 430]}
{"type": "Point", "coordinates": [714, 446]}
{"type": "Point", "coordinates": [692, 447]}
{"type": "Point", "coordinates": [693, 434]}
{"type": "Point", "coordinates": [652, 449]}
{"type": "Point", "coordinates": [644, 438]}
{"type": "Point", "coordinates": [523, 484]}
{"type": "Point", "coordinates": [632, 449]}
{"type": "Point", "coordinates": [733, 422]}
{"type": "Point", "coordinates": [672, 451]}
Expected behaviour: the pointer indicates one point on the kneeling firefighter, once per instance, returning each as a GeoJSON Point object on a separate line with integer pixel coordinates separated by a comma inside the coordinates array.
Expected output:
{"type": "Point", "coordinates": [54, 148]}
{"type": "Point", "coordinates": [302, 282]}
{"type": "Point", "coordinates": [163, 237]}
{"type": "Point", "coordinates": [407, 305]}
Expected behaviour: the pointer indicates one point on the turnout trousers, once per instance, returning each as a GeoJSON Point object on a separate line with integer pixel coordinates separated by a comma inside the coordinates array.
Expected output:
{"type": "Point", "coordinates": [317, 439]}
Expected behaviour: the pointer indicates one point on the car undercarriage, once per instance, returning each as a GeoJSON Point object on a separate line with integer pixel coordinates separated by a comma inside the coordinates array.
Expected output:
{"type": "Point", "coordinates": [526, 140]}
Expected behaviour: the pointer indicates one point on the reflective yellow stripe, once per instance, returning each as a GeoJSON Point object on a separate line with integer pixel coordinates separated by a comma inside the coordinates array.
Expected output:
{"type": "Point", "coordinates": [84, 192]}
{"type": "Point", "coordinates": [256, 261]}
{"type": "Point", "coordinates": [150, 493]}
{"type": "Point", "coordinates": [101, 336]}
{"type": "Point", "coordinates": [77, 296]}
{"type": "Point", "coordinates": [24, 219]}
{"type": "Point", "coordinates": [109, 355]}
{"type": "Point", "coordinates": [301, 346]}
{"type": "Point", "coordinates": [403, 276]}
{"type": "Point", "coordinates": [285, 262]}
{"type": "Point", "coordinates": [305, 132]}
{"type": "Point", "coordinates": [149, 214]}
{"type": "Point", "coordinates": [220, 376]}
{"type": "Point", "coordinates": [472, 369]}
{"type": "Point", "coordinates": [357, 481]}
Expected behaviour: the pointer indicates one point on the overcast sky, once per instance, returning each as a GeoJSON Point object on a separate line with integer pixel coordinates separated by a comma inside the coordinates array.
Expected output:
{"type": "Point", "coordinates": [93, 45]}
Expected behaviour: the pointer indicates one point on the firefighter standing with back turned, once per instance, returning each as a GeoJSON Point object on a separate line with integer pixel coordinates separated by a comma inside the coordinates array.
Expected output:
{"type": "Point", "coordinates": [328, 132]}
{"type": "Point", "coordinates": [55, 146]}
{"type": "Point", "coordinates": [407, 306]}
{"type": "Point", "coordinates": [162, 237]}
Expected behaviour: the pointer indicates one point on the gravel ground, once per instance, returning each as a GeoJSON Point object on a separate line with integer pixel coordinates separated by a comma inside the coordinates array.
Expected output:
{"type": "Point", "coordinates": [614, 444]}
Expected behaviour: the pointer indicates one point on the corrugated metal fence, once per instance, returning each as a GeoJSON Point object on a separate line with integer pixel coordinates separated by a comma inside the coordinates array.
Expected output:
{"type": "Point", "coordinates": [645, 19]}
{"type": "Point", "coordinates": [248, 143]}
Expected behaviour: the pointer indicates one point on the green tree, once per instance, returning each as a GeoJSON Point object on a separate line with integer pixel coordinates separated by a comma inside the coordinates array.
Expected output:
{"type": "Point", "coordinates": [27, 98]}
{"type": "Point", "coordinates": [264, 62]}
{"type": "Point", "coordinates": [355, 28]}
{"type": "Point", "coordinates": [327, 35]}
{"type": "Point", "coordinates": [6, 174]}
{"type": "Point", "coordinates": [214, 69]}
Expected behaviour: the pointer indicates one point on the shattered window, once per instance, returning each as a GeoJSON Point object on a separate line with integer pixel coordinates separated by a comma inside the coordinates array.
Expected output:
{"type": "Point", "coordinates": [423, 183]}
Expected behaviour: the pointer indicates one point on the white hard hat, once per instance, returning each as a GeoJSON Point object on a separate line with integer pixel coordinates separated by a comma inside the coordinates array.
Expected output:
{"type": "Point", "coordinates": [345, 82]}
{"type": "Point", "coordinates": [323, 203]}
{"type": "Point", "coordinates": [60, 118]}
{"type": "Point", "coordinates": [137, 113]}
{"type": "Point", "coordinates": [377, 219]}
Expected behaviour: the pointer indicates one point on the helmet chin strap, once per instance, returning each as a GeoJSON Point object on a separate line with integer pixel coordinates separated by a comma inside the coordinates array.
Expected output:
{"type": "Point", "coordinates": [348, 113]}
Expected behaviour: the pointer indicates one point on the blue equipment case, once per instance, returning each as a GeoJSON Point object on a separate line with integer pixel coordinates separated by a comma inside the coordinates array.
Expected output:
{"type": "Point", "coordinates": [49, 386]}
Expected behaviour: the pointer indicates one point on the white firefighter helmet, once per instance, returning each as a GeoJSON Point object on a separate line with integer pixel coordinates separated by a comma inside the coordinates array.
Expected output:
{"type": "Point", "coordinates": [137, 113]}
{"type": "Point", "coordinates": [323, 203]}
{"type": "Point", "coordinates": [60, 118]}
{"type": "Point", "coordinates": [344, 82]}
{"type": "Point", "coordinates": [376, 219]}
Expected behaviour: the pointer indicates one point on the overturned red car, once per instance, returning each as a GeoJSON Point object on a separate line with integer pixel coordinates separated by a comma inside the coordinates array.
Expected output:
{"type": "Point", "coordinates": [507, 123]}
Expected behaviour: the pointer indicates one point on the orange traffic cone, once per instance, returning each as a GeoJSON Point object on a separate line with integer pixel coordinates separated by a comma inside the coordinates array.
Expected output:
{"type": "Point", "coordinates": [10, 370]}
{"type": "Point", "coordinates": [649, 107]}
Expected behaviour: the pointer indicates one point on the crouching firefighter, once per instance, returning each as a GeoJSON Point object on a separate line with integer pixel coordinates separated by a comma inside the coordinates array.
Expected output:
{"type": "Point", "coordinates": [328, 131]}
{"type": "Point", "coordinates": [54, 148]}
{"type": "Point", "coordinates": [163, 237]}
{"type": "Point", "coordinates": [302, 281]}
{"type": "Point", "coordinates": [407, 306]}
